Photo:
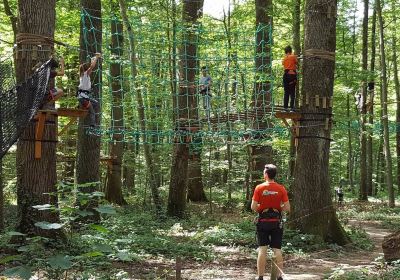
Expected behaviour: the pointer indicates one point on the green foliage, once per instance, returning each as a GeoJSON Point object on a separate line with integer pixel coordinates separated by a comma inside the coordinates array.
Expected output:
{"type": "Point", "coordinates": [23, 272]}
{"type": "Point", "coordinates": [374, 211]}
{"type": "Point", "coordinates": [359, 238]}
{"type": "Point", "coordinates": [376, 273]}
{"type": "Point", "coordinates": [300, 243]}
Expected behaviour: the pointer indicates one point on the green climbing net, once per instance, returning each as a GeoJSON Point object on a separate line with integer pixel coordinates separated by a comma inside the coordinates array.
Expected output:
{"type": "Point", "coordinates": [238, 106]}
{"type": "Point", "coordinates": [236, 111]}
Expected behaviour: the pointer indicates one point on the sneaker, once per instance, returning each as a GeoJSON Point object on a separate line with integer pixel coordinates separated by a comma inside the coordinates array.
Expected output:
{"type": "Point", "coordinates": [291, 111]}
{"type": "Point", "coordinates": [260, 277]}
{"type": "Point", "coordinates": [279, 278]}
{"type": "Point", "coordinates": [286, 109]}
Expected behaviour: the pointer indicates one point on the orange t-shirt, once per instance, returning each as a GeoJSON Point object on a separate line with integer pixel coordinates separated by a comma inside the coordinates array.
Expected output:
{"type": "Point", "coordinates": [289, 62]}
{"type": "Point", "coordinates": [270, 195]}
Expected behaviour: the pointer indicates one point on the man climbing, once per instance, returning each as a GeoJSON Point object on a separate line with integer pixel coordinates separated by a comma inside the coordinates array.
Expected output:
{"type": "Point", "coordinates": [289, 63]}
{"type": "Point", "coordinates": [269, 200]}
{"type": "Point", "coordinates": [205, 90]}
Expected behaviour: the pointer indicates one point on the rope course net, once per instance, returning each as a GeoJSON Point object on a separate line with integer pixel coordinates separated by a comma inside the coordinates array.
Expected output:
{"type": "Point", "coordinates": [19, 103]}
{"type": "Point", "coordinates": [234, 107]}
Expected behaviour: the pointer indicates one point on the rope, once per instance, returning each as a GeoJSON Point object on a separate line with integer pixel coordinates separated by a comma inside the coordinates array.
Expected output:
{"type": "Point", "coordinates": [321, 54]}
{"type": "Point", "coordinates": [314, 136]}
{"type": "Point", "coordinates": [34, 39]}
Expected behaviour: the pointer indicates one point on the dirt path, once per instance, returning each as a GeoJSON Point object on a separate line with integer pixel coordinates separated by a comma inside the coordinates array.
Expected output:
{"type": "Point", "coordinates": [237, 264]}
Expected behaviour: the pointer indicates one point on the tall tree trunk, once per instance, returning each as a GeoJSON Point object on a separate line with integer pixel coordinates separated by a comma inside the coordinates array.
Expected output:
{"type": "Point", "coordinates": [152, 171]}
{"type": "Point", "coordinates": [371, 95]}
{"type": "Point", "coordinates": [384, 106]}
{"type": "Point", "coordinates": [185, 109]}
{"type": "Point", "coordinates": [261, 154]}
{"type": "Point", "coordinates": [114, 170]}
{"type": "Point", "coordinates": [195, 178]}
{"type": "Point", "coordinates": [313, 209]}
{"type": "Point", "coordinates": [36, 178]}
{"type": "Point", "coordinates": [297, 50]}
{"type": "Point", "coordinates": [397, 89]}
{"type": "Point", "coordinates": [129, 172]}
{"type": "Point", "coordinates": [88, 146]}
{"type": "Point", "coordinates": [363, 133]}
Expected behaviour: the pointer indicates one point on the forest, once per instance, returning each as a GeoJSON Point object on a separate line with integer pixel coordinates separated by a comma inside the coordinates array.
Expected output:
{"type": "Point", "coordinates": [135, 136]}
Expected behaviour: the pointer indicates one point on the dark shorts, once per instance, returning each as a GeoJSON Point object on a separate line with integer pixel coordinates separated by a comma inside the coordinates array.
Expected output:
{"type": "Point", "coordinates": [269, 234]}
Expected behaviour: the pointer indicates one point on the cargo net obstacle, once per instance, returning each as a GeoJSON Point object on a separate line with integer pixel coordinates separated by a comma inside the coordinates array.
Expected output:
{"type": "Point", "coordinates": [238, 108]}
{"type": "Point", "coordinates": [19, 102]}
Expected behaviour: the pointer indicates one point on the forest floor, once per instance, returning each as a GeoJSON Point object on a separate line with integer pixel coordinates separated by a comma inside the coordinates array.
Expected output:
{"type": "Point", "coordinates": [217, 244]}
{"type": "Point", "coordinates": [240, 262]}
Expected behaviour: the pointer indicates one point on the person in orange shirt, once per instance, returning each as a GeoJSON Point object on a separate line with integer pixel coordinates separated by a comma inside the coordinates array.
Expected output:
{"type": "Point", "coordinates": [289, 63]}
{"type": "Point", "coordinates": [269, 200]}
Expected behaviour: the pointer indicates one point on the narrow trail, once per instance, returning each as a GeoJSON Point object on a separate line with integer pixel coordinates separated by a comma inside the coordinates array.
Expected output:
{"type": "Point", "coordinates": [237, 264]}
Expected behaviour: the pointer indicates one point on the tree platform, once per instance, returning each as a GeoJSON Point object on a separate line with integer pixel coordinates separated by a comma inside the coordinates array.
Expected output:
{"type": "Point", "coordinates": [41, 118]}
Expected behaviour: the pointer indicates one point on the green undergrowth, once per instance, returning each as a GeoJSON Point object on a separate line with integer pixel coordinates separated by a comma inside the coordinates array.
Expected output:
{"type": "Point", "coordinates": [372, 211]}
{"type": "Point", "coordinates": [131, 236]}
{"type": "Point", "coordinates": [380, 271]}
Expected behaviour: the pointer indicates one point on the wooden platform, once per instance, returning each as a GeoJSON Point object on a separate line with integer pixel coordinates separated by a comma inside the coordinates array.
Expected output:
{"type": "Point", "coordinates": [41, 117]}
{"type": "Point", "coordinates": [278, 112]}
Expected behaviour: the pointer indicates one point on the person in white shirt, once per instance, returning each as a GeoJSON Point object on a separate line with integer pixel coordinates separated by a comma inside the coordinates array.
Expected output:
{"type": "Point", "coordinates": [85, 87]}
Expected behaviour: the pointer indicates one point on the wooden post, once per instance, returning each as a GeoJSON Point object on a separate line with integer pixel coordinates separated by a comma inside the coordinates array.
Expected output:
{"type": "Point", "coordinates": [73, 120]}
{"type": "Point", "coordinates": [34, 53]}
{"type": "Point", "coordinates": [39, 134]}
{"type": "Point", "coordinates": [324, 102]}
{"type": "Point", "coordinates": [178, 268]}
{"type": "Point", "coordinates": [296, 140]}
{"type": "Point", "coordinates": [326, 123]}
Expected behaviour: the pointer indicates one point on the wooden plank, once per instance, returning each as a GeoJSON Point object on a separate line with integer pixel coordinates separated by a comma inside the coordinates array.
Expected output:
{"type": "Point", "coordinates": [288, 115]}
{"type": "Point", "coordinates": [286, 123]}
{"type": "Point", "coordinates": [68, 112]}
{"type": "Point", "coordinates": [317, 101]}
{"type": "Point", "coordinates": [46, 112]}
{"type": "Point", "coordinates": [34, 53]}
{"type": "Point", "coordinates": [39, 135]}
{"type": "Point", "coordinates": [65, 128]}
{"type": "Point", "coordinates": [324, 102]}
{"type": "Point", "coordinates": [326, 123]}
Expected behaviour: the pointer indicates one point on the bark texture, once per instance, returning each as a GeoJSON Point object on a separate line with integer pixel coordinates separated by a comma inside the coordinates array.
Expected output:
{"type": "Point", "coordinates": [152, 171]}
{"type": "Point", "coordinates": [363, 195]}
{"type": "Point", "coordinates": [391, 246]}
{"type": "Point", "coordinates": [384, 106]}
{"type": "Point", "coordinates": [36, 178]}
{"type": "Point", "coordinates": [313, 209]}
{"type": "Point", "coordinates": [185, 109]}
{"type": "Point", "coordinates": [261, 154]}
{"type": "Point", "coordinates": [88, 145]}
{"type": "Point", "coordinates": [114, 171]}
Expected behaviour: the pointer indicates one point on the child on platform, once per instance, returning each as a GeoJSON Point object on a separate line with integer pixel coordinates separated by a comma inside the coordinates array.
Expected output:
{"type": "Point", "coordinates": [85, 88]}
